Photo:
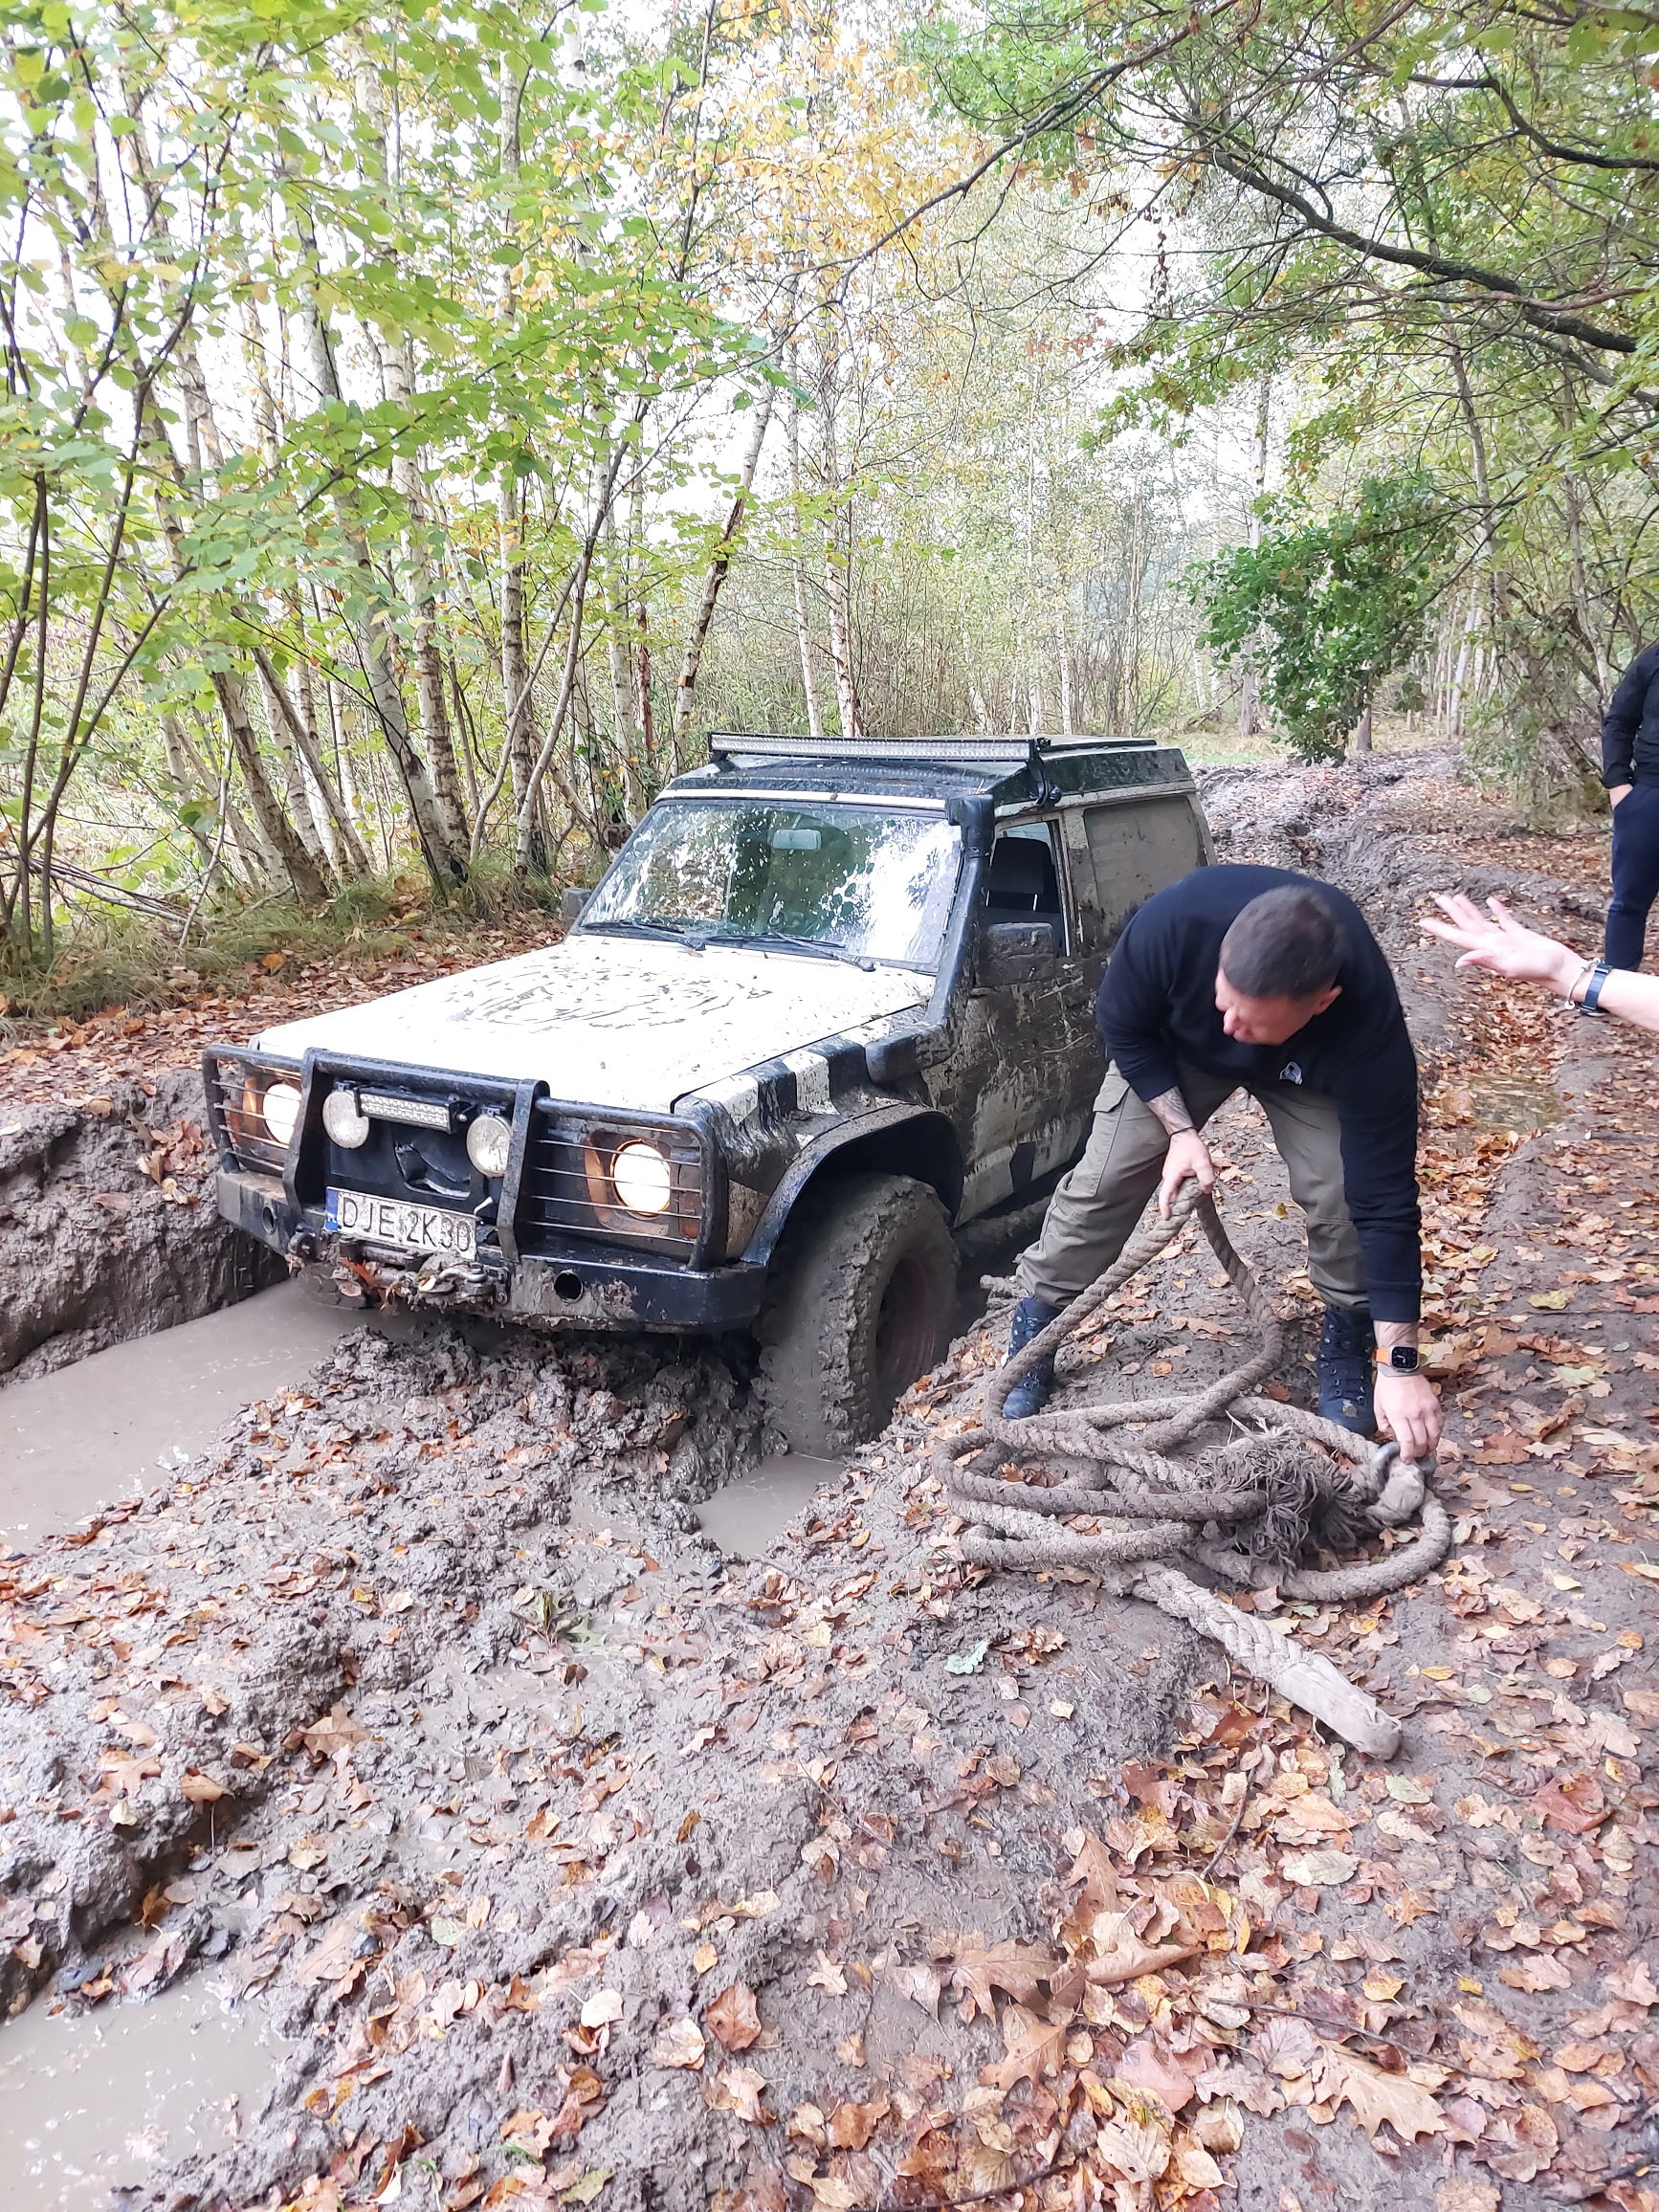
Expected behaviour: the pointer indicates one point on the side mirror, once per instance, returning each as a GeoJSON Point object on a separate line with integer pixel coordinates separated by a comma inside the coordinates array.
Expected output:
{"type": "Point", "coordinates": [1016, 952]}
{"type": "Point", "coordinates": [571, 904]}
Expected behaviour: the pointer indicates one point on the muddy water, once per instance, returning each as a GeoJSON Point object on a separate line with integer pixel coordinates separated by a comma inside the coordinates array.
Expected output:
{"type": "Point", "coordinates": [116, 2094]}
{"type": "Point", "coordinates": [121, 1421]}
{"type": "Point", "coordinates": [108, 2098]}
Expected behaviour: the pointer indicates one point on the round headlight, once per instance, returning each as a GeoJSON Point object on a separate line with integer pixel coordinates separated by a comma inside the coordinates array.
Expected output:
{"type": "Point", "coordinates": [280, 1107]}
{"type": "Point", "coordinates": [640, 1174]}
{"type": "Point", "coordinates": [489, 1141]}
{"type": "Point", "coordinates": [344, 1122]}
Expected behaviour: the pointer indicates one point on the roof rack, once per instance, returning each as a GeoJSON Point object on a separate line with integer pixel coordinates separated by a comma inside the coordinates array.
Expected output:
{"type": "Point", "coordinates": [989, 752]}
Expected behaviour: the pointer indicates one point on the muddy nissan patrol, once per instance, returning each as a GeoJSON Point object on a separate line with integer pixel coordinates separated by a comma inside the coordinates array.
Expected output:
{"type": "Point", "coordinates": [832, 1000]}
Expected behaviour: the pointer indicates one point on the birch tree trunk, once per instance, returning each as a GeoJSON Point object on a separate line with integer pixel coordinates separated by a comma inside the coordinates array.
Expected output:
{"type": "Point", "coordinates": [716, 578]}
{"type": "Point", "coordinates": [798, 568]}
{"type": "Point", "coordinates": [445, 861]}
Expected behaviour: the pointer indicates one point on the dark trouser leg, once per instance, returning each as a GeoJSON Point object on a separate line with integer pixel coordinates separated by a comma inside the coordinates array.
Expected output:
{"type": "Point", "coordinates": [1635, 874]}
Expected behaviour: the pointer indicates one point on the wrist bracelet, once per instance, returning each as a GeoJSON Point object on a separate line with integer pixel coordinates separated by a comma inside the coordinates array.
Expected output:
{"type": "Point", "coordinates": [1585, 970]}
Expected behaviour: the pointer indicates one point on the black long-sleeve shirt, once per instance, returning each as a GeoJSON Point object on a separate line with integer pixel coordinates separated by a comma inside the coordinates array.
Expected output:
{"type": "Point", "coordinates": [1630, 733]}
{"type": "Point", "coordinates": [1157, 1008]}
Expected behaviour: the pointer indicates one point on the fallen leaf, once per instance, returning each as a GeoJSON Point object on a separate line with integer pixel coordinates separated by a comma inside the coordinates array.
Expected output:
{"type": "Point", "coordinates": [1015, 1968]}
{"type": "Point", "coordinates": [1320, 1868]}
{"type": "Point", "coordinates": [851, 2126]}
{"type": "Point", "coordinates": [737, 2091]}
{"type": "Point", "coordinates": [923, 1985]}
{"type": "Point", "coordinates": [602, 2009]}
{"type": "Point", "coordinates": [585, 2191]}
{"type": "Point", "coordinates": [733, 2017]}
{"type": "Point", "coordinates": [827, 1976]}
{"type": "Point", "coordinates": [679, 2045]}
{"type": "Point", "coordinates": [201, 1788]}
{"type": "Point", "coordinates": [1148, 2066]}
{"type": "Point", "coordinates": [970, 1661]}
{"type": "Point", "coordinates": [1035, 2047]}
{"type": "Point", "coordinates": [1377, 2096]}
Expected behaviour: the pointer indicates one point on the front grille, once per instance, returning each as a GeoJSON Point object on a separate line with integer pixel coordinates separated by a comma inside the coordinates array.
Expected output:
{"type": "Point", "coordinates": [236, 1090]}
{"type": "Point", "coordinates": [566, 1188]}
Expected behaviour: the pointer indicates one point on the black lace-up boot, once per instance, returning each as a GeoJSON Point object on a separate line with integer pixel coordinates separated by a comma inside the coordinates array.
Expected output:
{"type": "Point", "coordinates": [1345, 1367]}
{"type": "Point", "coordinates": [1031, 1392]}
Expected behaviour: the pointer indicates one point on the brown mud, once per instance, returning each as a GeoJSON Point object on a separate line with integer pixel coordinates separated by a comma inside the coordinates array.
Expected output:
{"type": "Point", "coordinates": [582, 1865]}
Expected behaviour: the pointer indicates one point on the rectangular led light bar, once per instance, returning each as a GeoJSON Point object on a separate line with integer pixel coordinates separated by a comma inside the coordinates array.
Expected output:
{"type": "Point", "coordinates": [414, 1113]}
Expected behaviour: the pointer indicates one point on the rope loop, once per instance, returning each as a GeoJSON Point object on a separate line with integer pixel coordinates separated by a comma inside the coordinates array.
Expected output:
{"type": "Point", "coordinates": [1260, 1507]}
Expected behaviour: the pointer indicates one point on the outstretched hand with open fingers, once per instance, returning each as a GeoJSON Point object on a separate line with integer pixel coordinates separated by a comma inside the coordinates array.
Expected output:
{"type": "Point", "coordinates": [1501, 944]}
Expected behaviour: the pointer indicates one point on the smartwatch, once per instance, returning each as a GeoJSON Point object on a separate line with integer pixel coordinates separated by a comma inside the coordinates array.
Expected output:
{"type": "Point", "coordinates": [1592, 998]}
{"type": "Point", "coordinates": [1400, 1357]}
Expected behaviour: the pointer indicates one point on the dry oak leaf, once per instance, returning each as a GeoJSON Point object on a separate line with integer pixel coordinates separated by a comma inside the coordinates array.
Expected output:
{"type": "Point", "coordinates": [334, 1732]}
{"type": "Point", "coordinates": [679, 2045]}
{"type": "Point", "coordinates": [1017, 1969]}
{"type": "Point", "coordinates": [1035, 2047]}
{"type": "Point", "coordinates": [1377, 2096]}
{"type": "Point", "coordinates": [827, 1976]}
{"type": "Point", "coordinates": [1125, 1957]}
{"type": "Point", "coordinates": [739, 2091]}
{"type": "Point", "coordinates": [1092, 1866]}
{"type": "Point", "coordinates": [851, 2126]}
{"type": "Point", "coordinates": [733, 2017]}
{"type": "Point", "coordinates": [201, 1788]}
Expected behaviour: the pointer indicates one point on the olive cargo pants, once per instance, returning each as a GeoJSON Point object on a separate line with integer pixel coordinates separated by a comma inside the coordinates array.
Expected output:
{"type": "Point", "coordinates": [1094, 1210]}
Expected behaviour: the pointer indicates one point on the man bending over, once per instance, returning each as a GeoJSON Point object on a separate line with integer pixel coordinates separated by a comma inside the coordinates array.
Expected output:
{"type": "Point", "coordinates": [1258, 979]}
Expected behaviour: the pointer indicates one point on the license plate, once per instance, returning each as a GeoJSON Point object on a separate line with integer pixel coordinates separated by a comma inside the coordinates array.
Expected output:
{"type": "Point", "coordinates": [395, 1221]}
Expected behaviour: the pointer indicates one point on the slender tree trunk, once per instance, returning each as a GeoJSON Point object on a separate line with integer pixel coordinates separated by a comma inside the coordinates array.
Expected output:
{"type": "Point", "coordinates": [516, 688]}
{"type": "Point", "coordinates": [275, 827]}
{"type": "Point", "coordinates": [798, 568]}
{"type": "Point", "coordinates": [1362, 734]}
{"type": "Point", "coordinates": [445, 863]}
{"type": "Point", "coordinates": [642, 707]}
{"type": "Point", "coordinates": [431, 707]}
{"type": "Point", "coordinates": [280, 721]}
{"type": "Point", "coordinates": [300, 736]}
{"type": "Point", "coordinates": [1248, 706]}
{"type": "Point", "coordinates": [711, 592]}
{"type": "Point", "coordinates": [622, 717]}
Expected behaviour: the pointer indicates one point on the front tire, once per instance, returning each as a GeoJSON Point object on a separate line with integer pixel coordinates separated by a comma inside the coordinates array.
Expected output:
{"type": "Point", "coordinates": [864, 1293]}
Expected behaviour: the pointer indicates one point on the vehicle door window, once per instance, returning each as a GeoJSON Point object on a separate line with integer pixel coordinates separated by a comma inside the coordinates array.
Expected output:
{"type": "Point", "coordinates": [1021, 882]}
{"type": "Point", "coordinates": [1132, 851]}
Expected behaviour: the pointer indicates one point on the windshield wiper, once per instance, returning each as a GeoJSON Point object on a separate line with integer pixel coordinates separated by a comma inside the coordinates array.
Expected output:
{"type": "Point", "coordinates": [690, 932]}
{"type": "Point", "coordinates": [816, 947]}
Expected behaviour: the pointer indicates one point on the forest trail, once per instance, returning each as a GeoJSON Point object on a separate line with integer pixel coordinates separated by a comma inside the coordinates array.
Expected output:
{"type": "Point", "coordinates": [574, 1863]}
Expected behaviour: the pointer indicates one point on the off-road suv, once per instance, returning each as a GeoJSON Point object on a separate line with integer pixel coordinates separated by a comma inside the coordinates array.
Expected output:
{"type": "Point", "coordinates": [832, 1000]}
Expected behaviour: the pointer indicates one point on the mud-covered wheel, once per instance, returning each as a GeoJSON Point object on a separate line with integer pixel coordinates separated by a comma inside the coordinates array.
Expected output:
{"type": "Point", "coordinates": [863, 1296]}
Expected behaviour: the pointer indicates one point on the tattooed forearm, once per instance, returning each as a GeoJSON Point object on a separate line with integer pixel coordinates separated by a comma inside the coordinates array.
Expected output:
{"type": "Point", "coordinates": [1170, 1108]}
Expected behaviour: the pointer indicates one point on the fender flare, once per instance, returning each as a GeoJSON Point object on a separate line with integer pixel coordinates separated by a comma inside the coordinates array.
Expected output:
{"type": "Point", "coordinates": [924, 1122]}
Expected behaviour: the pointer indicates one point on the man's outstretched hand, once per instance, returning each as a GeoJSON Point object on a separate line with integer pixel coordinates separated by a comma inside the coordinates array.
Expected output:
{"type": "Point", "coordinates": [1502, 944]}
{"type": "Point", "coordinates": [1189, 1155]}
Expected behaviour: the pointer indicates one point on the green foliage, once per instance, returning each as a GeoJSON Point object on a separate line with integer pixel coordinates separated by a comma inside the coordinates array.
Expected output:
{"type": "Point", "coordinates": [1324, 610]}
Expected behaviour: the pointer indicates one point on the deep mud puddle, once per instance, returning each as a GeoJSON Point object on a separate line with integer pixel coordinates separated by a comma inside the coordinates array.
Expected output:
{"type": "Point", "coordinates": [116, 1423]}
{"type": "Point", "coordinates": [94, 2101]}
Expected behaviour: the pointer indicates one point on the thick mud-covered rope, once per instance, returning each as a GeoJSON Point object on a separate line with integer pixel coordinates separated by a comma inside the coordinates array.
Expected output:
{"type": "Point", "coordinates": [1247, 1509]}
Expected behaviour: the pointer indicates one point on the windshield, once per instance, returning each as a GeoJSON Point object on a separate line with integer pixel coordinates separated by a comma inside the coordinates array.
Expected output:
{"type": "Point", "coordinates": [852, 880]}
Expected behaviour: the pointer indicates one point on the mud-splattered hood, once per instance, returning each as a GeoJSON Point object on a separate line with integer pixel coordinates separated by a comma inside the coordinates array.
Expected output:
{"type": "Point", "coordinates": [610, 1021]}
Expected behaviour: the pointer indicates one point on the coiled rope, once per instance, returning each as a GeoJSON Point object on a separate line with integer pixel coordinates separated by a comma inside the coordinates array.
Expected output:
{"type": "Point", "coordinates": [1250, 1510]}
